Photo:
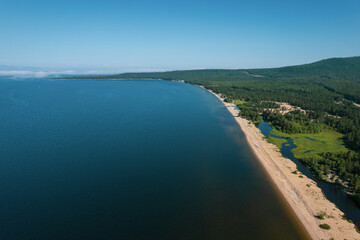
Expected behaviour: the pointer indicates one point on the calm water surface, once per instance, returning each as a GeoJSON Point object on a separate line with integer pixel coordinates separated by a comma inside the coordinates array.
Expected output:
{"type": "Point", "coordinates": [129, 160]}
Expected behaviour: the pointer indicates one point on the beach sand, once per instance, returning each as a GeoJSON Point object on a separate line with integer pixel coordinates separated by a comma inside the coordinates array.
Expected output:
{"type": "Point", "coordinates": [302, 194]}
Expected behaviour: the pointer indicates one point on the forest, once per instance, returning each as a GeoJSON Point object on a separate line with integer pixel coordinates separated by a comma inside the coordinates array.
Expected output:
{"type": "Point", "coordinates": [328, 91]}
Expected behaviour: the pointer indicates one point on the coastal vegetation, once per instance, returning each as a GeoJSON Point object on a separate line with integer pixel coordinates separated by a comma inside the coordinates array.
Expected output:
{"type": "Point", "coordinates": [276, 141]}
{"type": "Point", "coordinates": [323, 118]}
{"type": "Point", "coordinates": [321, 215]}
{"type": "Point", "coordinates": [238, 102]}
{"type": "Point", "coordinates": [325, 226]}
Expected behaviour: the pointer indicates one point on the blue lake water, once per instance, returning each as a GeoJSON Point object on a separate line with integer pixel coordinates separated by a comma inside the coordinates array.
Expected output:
{"type": "Point", "coordinates": [129, 160]}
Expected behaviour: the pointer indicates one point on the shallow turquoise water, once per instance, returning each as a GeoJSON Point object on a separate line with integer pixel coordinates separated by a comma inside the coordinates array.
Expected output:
{"type": "Point", "coordinates": [129, 160]}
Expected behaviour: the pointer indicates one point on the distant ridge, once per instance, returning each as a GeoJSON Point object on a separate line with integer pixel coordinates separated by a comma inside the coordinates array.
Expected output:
{"type": "Point", "coordinates": [337, 75]}
{"type": "Point", "coordinates": [332, 68]}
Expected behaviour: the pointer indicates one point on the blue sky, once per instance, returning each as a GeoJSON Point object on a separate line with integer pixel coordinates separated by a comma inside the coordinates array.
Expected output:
{"type": "Point", "coordinates": [155, 35]}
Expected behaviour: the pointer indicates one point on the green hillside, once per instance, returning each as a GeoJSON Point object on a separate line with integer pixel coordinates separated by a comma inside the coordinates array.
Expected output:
{"type": "Point", "coordinates": [333, 68]}
{"type": "Point", "coordinates": [348, 68]}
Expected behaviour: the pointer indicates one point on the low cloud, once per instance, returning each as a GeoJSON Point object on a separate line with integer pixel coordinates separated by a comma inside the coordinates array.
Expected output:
{"type": "Point", "coordinates": [44, 74]}
{"type": "Point", "coordinates": [35, 74]}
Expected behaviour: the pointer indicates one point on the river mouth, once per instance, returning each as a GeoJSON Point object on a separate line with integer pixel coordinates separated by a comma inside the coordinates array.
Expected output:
{"type": "Point", "coordinates": [340, 198]}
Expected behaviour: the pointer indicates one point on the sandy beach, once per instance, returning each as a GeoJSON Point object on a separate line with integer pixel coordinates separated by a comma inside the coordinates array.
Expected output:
{"type": "Point", "coordinates": [302, 194]}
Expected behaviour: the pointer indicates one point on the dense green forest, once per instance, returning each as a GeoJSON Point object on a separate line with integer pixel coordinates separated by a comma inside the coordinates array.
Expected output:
{"type": "Point", "coordinates": [328, 91]}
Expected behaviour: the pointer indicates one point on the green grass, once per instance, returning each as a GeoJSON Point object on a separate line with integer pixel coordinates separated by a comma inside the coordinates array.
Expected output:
{"type": "Point", "coordinates": [238, 102]}
{"type": "Point", "coordinates": [277, 141]}
{"type": "Point", "coordinates": [327, 141]}
{"type": "Point", "coordinates": [257, 122]}
{"type": "Point", "coordinates": [357, 229]}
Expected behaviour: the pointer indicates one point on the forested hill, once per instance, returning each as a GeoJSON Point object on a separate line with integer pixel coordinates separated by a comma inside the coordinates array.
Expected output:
{"type": "Point", "coordinates": [337, 75]}
{"type": "Point", "coordinates": [333, 68]}
{"type": "Point", "coordinates": [348, 68]}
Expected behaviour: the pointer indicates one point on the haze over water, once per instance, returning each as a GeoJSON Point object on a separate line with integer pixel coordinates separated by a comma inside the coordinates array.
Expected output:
{"type": "Point", "coordinates": [129, 160]}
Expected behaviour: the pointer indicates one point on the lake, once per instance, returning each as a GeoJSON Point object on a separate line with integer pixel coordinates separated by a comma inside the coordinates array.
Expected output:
{"type": "Point", "coordinates": [129, 160]}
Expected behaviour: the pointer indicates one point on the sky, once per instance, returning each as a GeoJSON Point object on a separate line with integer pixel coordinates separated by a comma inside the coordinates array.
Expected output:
{"type": "Point", "coordinates": [120, 36]}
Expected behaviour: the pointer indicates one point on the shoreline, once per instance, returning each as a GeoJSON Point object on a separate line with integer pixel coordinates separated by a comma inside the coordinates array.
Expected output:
{"type": "Point", "coordinates": [301, 194]}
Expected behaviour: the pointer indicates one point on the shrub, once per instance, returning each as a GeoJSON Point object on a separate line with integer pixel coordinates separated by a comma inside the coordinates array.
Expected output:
{"type": "Point", "coordinates": [321, 215]}
{"type": "Point", "coordinates": [325, 226]}
{"type": "Point", "coordinates": [357, 229]}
